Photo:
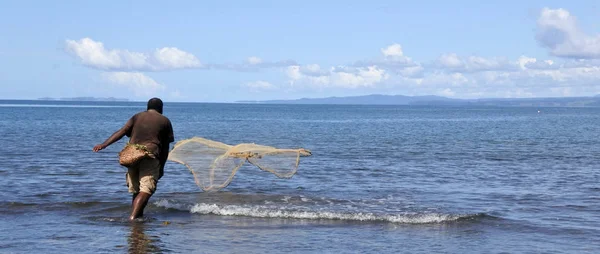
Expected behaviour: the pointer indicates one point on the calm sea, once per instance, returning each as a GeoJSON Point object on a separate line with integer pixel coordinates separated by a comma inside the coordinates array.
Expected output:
{"type": "Point", "coordinates": [382, 179]}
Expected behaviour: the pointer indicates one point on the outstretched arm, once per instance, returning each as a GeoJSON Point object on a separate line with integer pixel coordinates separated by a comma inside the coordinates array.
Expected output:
{"type": "Point", "coordinates": [125, 130]}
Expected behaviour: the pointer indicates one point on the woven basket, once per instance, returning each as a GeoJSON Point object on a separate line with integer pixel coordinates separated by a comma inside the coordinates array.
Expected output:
{"type": "Point", "coordinates": [132, 154]}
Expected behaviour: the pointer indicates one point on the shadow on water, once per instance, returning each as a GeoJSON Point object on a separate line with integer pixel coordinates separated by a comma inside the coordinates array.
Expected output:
{"type": "Point", "coordinates": [140, 241]}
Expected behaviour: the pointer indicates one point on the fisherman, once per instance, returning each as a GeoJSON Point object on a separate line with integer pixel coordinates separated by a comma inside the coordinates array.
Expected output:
{"type": "Point", "coordinates": [154, 131]}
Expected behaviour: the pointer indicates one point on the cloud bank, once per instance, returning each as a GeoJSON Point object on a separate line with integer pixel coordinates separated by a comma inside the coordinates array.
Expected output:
{"type": "Point", "coordinates": [138, 83]}
{"type": "Point", "coordinates": [572, 69]}
{"type": "Point", "coordinates": [93, 54]}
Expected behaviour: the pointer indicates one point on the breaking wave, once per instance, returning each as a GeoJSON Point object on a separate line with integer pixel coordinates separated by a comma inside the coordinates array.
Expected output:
{"type": "Point", "coordinates": [259, 211]}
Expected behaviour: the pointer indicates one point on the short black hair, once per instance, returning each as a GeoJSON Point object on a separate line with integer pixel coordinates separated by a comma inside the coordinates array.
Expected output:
{"type": "Point", "coordinates": [156, 104]}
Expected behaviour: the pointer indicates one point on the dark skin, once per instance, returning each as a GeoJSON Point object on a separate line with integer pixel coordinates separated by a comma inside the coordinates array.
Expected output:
{"type": "Point", "coordinates": [139, 200]}
{"type": "Point", "coordinates": [155, 130]}
{"type": "Point", "coordinates": [112, 139]}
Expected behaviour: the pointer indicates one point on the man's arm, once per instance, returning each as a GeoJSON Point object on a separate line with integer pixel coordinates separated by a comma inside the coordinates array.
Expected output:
{"type": "Point", "coordinates": [165, 147]}
{"type": "Point", "coordinates": [125, 130]}
{"type": "Point", "coordinates": [171, 136]}
{"type": "Point", "coordinates": [164, 153]}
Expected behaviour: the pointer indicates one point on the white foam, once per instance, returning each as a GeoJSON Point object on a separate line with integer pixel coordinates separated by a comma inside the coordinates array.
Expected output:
{"type": "Point", "coordinates": [172, 205]}
{"type": "Point", "coordinates": [263, 212]}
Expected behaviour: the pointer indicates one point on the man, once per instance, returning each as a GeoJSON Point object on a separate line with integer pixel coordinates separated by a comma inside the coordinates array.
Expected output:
{"type": "Point", "coordinates": [152, 129]}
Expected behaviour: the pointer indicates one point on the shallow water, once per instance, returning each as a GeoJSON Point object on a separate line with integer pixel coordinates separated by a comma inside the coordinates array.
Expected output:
{"type": "Point", "coordinates": [382, 179]}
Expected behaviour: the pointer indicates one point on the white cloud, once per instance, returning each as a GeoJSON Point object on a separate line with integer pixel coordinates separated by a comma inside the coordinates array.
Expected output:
{"type": "Point", "coordinates": [393, 61]}
{"type": "Point", "coordinates": [394, 57]}
{"type": "Point", "coordinates": [523, 61]}
{"type": "Point", "coordinates": [558, 31]}
{"type": "Point", "coordinates": [252, 64]}
{"type": "Point", "coordinates": [456, 76]}
{"type": "Point", "coordinates": [473, 77]}
{"type": "Point", "coordinates": [254, 60]}
{"type": "Point", "coordinates": [293, 72]}
{"type": "Point", "coordinates": [341, 76]}
{"type": "Point", "coordinates": [260, 85]}
{"type": "Point", "coordinates": [517, 92]}
{"type": "Point", "coordinates": [138, 83]}
{"type": "Point", "coordinates": [173, 58]}
{"type": "Point", "coordinates": [307, 74]}
{"type": "Point", "coordinates": [95, 55]}
{"type": "Point", "coordinates": [445, 79]}
{"type": "Point", "coordinates": [447, 92]}
{"type": "Point", "coordinates": [392, 70]}
{"type": "Point", "coordinates": [394, 50]}
{"type": "Point", "coordinates": [563, 91]}
{"type": "Point", "coordinates": [450, 61]}
{"type": "Point", "coordinates": [361, 77]}
{"type": "Point", "coordinates": [412, 71]}
{"type": "Point", "coordinates": [453, 62]}
{"type": "Point", "coordinates": [581, 81]}
{"type": "Point", "coordinates": [581, 63]}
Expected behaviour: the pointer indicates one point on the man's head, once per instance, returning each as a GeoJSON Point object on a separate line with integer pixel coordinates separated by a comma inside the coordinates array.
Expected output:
{"type": "Point", "coordinates": [156, 104]}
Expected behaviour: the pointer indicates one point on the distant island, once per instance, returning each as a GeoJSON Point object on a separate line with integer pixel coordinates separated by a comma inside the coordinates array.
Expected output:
{"type": "Point", "coordinates": [378, 99]}
{"type": "Point", "coordinates": [83, 99]}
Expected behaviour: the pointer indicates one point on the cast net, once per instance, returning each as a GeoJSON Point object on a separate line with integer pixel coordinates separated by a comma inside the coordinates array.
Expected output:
{"type": "Point", "coordinates": [214, 164]}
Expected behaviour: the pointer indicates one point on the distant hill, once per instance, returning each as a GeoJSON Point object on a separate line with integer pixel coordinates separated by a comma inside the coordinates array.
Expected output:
{"type": "Point", "coordinates": [378, 99]}
{"type": "Point", "coordinates": [374, 99]}
{"type": "Point", "coordinates": [83, 99]}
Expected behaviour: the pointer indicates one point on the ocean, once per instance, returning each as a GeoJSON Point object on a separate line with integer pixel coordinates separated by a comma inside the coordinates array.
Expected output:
{"type": "Point", "coordinates": [382, 179]}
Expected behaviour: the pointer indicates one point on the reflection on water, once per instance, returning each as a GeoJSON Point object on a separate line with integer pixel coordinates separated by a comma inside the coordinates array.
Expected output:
{"type": "Point", "coordinates": [141, 242]}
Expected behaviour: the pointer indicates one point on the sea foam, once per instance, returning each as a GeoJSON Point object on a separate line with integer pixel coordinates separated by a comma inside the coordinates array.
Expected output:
{"type": "Point", "coordinates": [259, 211]}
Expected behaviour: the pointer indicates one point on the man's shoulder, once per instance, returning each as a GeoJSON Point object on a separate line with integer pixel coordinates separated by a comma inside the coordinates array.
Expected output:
{"type": "Point", "coordinates": [153, 115]}
{"type": "Point", "coordinates": [140, 113]}
{"type": "Point", "coordinates": [136, 115]}
{"type": "Point", "coordinates": [164, 119]}
{"type": "Point", "coordinates": [167, 121]}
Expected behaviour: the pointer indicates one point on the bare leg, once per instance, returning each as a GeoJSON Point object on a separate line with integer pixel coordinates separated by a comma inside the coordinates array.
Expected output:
{"type": "Point", "coordinates": [133, 198]}
{"type": "Point", "coordinates": [139, 203]}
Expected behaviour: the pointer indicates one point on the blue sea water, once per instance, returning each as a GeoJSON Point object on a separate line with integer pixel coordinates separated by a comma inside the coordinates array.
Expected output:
{"type": "Point", "coordinates": [382, 179]}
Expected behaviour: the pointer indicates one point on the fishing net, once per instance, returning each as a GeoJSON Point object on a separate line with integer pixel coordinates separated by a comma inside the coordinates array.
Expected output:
{"type": "Point", "coordinates": [214, 164]}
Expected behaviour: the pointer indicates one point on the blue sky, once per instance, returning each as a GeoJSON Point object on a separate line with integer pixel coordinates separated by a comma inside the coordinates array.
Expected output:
{"type": "Point", "coordinates": [224, 51]}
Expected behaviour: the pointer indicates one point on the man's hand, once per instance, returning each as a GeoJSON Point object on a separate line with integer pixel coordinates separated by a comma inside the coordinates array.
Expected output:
{"type": "Point", "coordinates": [98, 147]}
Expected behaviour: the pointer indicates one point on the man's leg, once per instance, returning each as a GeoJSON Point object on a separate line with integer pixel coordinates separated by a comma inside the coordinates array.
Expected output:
{"type": "Point", "coordinates": [133, 198]}
{"type": "Point", "coordinates": [139, 203]}
{"type": "Point", "coordinates": [133, 184]}
{"type": "Point", "coordinates": [148, 177]}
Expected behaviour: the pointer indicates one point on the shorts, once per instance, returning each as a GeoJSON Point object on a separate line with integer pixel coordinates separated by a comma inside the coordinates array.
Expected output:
{"type": "Point", "coordinates": [144, 176]}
